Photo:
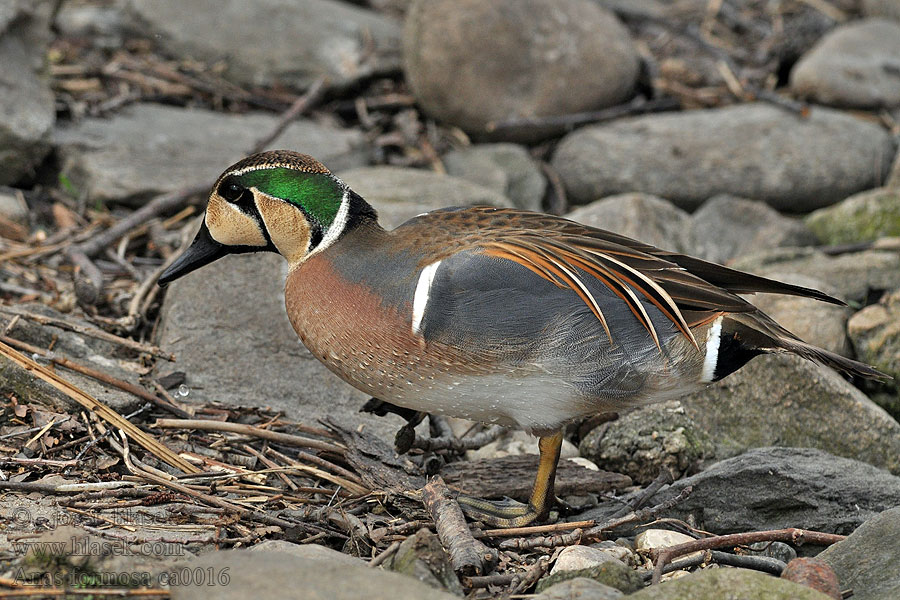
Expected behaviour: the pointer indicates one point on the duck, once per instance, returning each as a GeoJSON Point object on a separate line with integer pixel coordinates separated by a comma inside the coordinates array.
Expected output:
{"type": "Point", "coordinates": [498, 315]}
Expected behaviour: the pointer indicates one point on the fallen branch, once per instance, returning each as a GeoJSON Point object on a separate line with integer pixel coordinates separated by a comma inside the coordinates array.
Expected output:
{"type": "Point", "coordinates": [661, 556]}
{"type": "Point", "coordinates": [467, 555]}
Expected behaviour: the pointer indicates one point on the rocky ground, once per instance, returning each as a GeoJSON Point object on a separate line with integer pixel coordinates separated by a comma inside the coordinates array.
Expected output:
{"type": "Point", "coordinates": [756, 134]}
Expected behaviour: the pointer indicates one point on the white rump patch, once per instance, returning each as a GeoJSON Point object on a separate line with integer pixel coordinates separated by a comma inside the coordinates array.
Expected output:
{"type": "Point", "coordinates": [420, 298]}
{"type": "Point", "coordinates": [713, 337]}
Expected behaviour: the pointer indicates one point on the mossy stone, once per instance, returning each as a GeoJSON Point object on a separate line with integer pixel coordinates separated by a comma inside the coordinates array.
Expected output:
{"type": "Point", "coordinates": [860, 218]}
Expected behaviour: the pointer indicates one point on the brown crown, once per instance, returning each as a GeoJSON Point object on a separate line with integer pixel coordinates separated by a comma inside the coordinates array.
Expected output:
{"type": "Point", "coordinates": [279, 158]}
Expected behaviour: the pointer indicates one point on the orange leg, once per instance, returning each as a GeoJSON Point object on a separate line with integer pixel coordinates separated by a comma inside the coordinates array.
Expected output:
{"type": "Point", "coordinates": [509, 513]}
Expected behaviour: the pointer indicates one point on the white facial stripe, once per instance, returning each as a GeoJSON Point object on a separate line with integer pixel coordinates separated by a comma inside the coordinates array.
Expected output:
{"type": "Point", "coordinates": [420, 297]}
{"type": "Point", "coordinates": [337, 226]}
{"type": "Point", "coordinates": [713, 338]}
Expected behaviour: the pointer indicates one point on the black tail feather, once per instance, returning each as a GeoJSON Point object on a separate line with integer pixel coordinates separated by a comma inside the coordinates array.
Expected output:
{"type": "Point", "coordinates": [756, 331]}
{"type": "Point", "coordinates": [740, 282]}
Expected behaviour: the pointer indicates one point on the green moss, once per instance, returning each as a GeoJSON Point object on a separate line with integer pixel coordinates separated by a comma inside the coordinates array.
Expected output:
{"type": "Point", "coordinates": [612, 573]}
{"type": "Point", "coordinates": [860, 218]}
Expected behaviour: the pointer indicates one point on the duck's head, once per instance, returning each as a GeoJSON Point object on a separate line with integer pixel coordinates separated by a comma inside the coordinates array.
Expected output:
{"type": "Point", "coordinates": [277, 201]}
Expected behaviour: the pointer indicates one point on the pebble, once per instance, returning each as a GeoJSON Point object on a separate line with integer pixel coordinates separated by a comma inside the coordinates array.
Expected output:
{"type": "Point", "coordinates": [574, 558]}
{"type": "Point", "coordinates": [663, 538]}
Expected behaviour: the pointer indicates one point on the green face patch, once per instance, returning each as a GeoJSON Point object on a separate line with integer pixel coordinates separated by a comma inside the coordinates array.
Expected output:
{"type": "Point", "coordinates": [318, 194]}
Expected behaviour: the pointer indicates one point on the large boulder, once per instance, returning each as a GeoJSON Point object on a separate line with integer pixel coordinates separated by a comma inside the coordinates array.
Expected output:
{"type": "Point", "coordinates": [471, 63]}
{"type": "Point", "coordinates": [750, 150]}
{"type": "Point", "coordinates": [853, 66]}
{"type": "Point", "coordinates": [789, 401]}
{"type": "Point", "coordinates": [275, 41]}
{"type": "Point", "coordinates": [27, 110]}
{"type": "Point", "coordinates": [775, 488]}
{"type": "Point", "coordinates": [150, 149]}
{"type": "Point", "coordinates": [240, 574]}
{"type": "Point", "coordinates": [867, 560]}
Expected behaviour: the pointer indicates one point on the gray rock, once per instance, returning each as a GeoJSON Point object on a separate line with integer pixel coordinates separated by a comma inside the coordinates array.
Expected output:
{"type": "Point", "coordinates": [241, 574]}
{"type": "Point", "coordinates": [816, 322]}
{"type": "Point", "coordinates": [867, 560]}
{"type": "Point", "coordinates": [275, 41]}
{"type": "Point", "coordinates": [400, 193]}
{"type": "Point", "coordinates": [612, 573]}
{"type": "Point", "coordinates": [85, 350]}
{"type": "Point", "coordinates": [882, 8]}
{"type": "Point", "coordinates": [470, 63]}
{"type": "Point", "coordinates": [308, 552]}
{"type": "Point", "coordinates": [775, 488]}
{"type": "Point", "coordinates": [788, 401]}
{"type": "Point", "coordinates": [643, 217]}
{"type": "Point", "coordinates": [422, 557]}
{"type": "Point", "coordinates": [854, 66]}
{"type": "Point", "coordinates": [150, 149]}
{"type": "Point", "coordinates": [749, 150]}
{"type": "Point", "coordinates": [227, 325]}
{"type": "Point", "coordinates": [27, 110]}
{"type": "Point", "coordinates": [505, 168]}
{"type": "Point", "coordinates": [13, 206]}
{"type": "Point", "coordinates": [643, 442]}
{"type": "Point", "coordinates": [875, 332]}
{"type": "Point", "coordinates": [851, 276]}
{"type": "Point", "coordinates": [726, 227]}
{"type": "Point", "coordinates": [862, 217]}
{"type": "Point", "coordinates": [715, 584]}
{"type": "Point", "coordinates": [580, 588]}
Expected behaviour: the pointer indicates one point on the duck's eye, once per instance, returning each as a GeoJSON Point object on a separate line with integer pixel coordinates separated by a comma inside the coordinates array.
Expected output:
{"type": "Point", "coordinates": [231, 191]}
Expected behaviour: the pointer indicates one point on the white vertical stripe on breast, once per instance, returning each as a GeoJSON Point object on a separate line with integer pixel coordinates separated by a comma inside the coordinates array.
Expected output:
{"type": "Point", "coordinates": [420, 298]}
{"type": "Point", "coordinates": [713, 337]}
